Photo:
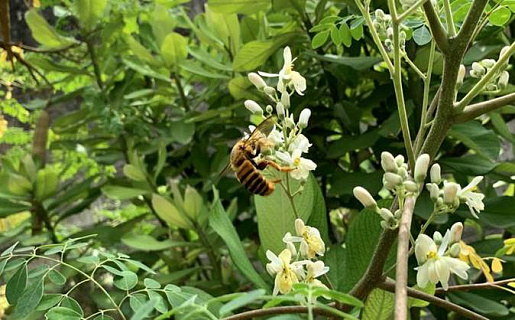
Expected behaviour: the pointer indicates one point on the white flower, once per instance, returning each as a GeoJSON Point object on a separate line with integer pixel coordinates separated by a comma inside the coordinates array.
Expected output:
{"type": "Point", "coordinates": [286, 274]}
{"type": "Point", "coordinates": [300, 142]}
{"type": "Point", "coordinates": [288, 77]}
{"type": "Point", "coordinates": [276, 137]}
{"type": "Point", "coordinates": [315, 270]}
{"type": "Point", "coordinates": [421, 166]}
{"type": "Point", "coordinates": [450, 193]}
{"type": "Point", "coordinates": [434, 266]}
{"type": "Point", "coordinates": [311, 242]}
{"type": "Point", "coordinates": [288, 239]}
{"type": "Point", "coordinates": [304, 118]}
{"type": "Point", "coordinates": [302, 166]}
{"type": "Point", "coordinates": [474, 200]}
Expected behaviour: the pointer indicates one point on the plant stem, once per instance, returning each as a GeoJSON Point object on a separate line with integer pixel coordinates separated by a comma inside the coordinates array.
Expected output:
{"type": "Point", "coordinates": [281, 310]}
{"type": "Point", "coordinates": [184, 100]}
{"type": "Point", "coordinates": [410, 10]}
{"type": "Point", "coordinates": [474, 286]}
{"type": "Point", "coordinates": [475, 110]}
{"type": "Point", "coordinates": [401, 272]}
{"type": "Point", "coordinates": [94, 61]}
{"type": "Point", "coordinates": [414, 67]}
{"type": "Point", "coordinates": [451, 29]}
{"type": "Point", "coordinates": [437, 30]}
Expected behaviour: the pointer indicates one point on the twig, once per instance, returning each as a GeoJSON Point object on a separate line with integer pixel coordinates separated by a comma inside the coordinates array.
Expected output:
{"type": "Point", "coordinates": [437, 30]}
{"type": "Point", "coordinates": [410, 10]}
{"type": "Point", "coordinates": [475, 110]}
{"type": "Point", "coordinates": [184, 100]}
{"type": "Point", "coordinates": [389, 285]}
{"type": "Point", "coordinates": [474, 286]}
{"type": "Point", "coordinates": [96, 68]}
{"type": "Point", "coordinates": [278, 310]}
{"type": "Point", "coordinates": [401, 272]}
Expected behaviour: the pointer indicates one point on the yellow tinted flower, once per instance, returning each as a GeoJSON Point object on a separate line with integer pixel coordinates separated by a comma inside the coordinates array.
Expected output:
{"type": "Point", "coordinates": [286, 274]}
{"type": "Point", "coordinates": [468, 254]}
{"type": "Point", "coordinates": [496, 265]}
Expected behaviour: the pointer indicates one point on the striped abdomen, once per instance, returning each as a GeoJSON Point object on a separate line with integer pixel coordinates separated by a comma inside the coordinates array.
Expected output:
{"type": "Point", "coordinates": [249, 176]}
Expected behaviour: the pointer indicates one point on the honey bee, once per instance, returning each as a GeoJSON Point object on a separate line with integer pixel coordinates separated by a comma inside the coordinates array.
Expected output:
{"type": "Point", "coordinates": [247, 169]}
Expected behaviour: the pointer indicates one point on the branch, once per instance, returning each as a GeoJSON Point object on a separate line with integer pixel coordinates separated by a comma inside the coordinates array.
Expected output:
{"type": "Point", "coordinates": [389, 285]}
{"type": "Point", "coordinates": [475, 286]}
{"type": "Point", "coordinates": [279, 310]}
{"type": "Point", "coordinates": [470, 24]}
{"type": "Point", "coordinates": [401, 273]}
{"type": "Point", "coordinates": [96, 68]}
{"type": "Point", "coordinates": [475, 110]}
{"type": "Point", "coordinates": [439, 34]}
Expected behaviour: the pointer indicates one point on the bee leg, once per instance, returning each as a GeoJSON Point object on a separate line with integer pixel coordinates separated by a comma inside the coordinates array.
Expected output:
{"type": "Point", "coordinates": [276, 181]}
{"type": "Point", "coordinates": [261, 165]}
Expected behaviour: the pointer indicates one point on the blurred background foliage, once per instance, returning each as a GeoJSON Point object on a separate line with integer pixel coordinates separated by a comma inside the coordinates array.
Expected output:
{"type": "Point", "coordinates": [121, 115]}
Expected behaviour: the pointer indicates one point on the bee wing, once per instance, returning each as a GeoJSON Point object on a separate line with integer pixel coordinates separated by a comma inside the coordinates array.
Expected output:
{"type": "Point", "coordinates": [263, 129]}
{"type": "Point", "coordinates": [222, 173]}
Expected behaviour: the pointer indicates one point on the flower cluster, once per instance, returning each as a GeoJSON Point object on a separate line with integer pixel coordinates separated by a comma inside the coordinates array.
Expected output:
{"type": "Point", "coordinates": [500, 79]}
{"type": "Point", "coordinates": [448, 198]}
{"type": "Point", "coordinates": [383, 25]}
{"type": "Point", "coordinates": [437, 257]}
{"type": "Point", "coordinates": [286, 272]}
{"type": "Point", "coordinates": [396, 179]}
{"type": "Point", "coordinates": [289, 142]}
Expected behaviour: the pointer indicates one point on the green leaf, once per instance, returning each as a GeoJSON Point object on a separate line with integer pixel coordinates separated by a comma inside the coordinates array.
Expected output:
{"type": "Point", "coordinates": [475, 136]}
{"type": "Point", "coordinates": [141, 52]}
{"type": "Point", "coordinates": [196, 68]}
{"type": "Point", "coordinates": [71, 303]}
{"type": "Point", "coordinates": [422, 36]}
{"type": "Point", "coordinates": [276, 216]}
{"type": "Point", "coordinates": [16, 285]}
{"type": "Point", "coordinates": [219, 221]}
{"type": "Point", "coordinates": [145, 242]}
{"type": "Point", "coordinates": [479, 303]}
{"type": "Point", "coordinates": [137, 300]}
{"type": "Point", "coordinates": [345, 36]}
{"type": "Point", "coordinates": [471, 165]}
{"type": "Point", "coordinates": [335, 260]}
{"type": "Point", "coordinates": [48, 301]}
{"type": "Point", "coordinates": [123, 193]}
{"type": "Point", "coordinates": [241, 301]}
{"type": "Point", "coordinates": [224, 28]}
{"type": "Point", "coordinates": [144, 69]}
{"type": "Point", "coordinates": [379, 305]}
{"type": "Point", "coordinates": [182, 132]}
{"type": "Point", "coordinates": [30, 299]}
{"type": "Point", "coordinates": [134, 173]}
{"type": "Point", "coordinates": [357, 63]}
{"type": "Point", "coordinates": [501, 127]}
{"type": "Point", "coordinates": [144, 310]}
{"type": "Point", "coordinates": [128, 280]}
{"type": "Point", "coordinates": [500, 16]}
{"type": "Point", "coordinates": [356, 30]}
{"type": "Point", "coordinates": [174, 49]}
{"type": "Point", "coordinates": [56, 277]}
{"type": "Point", "coordinates": [170, 213]}
{"type": "Point", "coordinates": [163, 24]}
{"type": "Point", "coordinates": [44, 33]}
{"type": "Point", "coordinates": [151, 283]}
{"type": "Point", "coordinates": [498, 212]}
{"type": "Point", "coordinates": [61, 313]}
{"type": "Point", "coordinates": [161, 305]}
{"type": "Point", "coordinates": [417, 303]}
{"type": "Point", "coordinates": [240, 6]}
{"type": "Point", "coordinates": [241, 88]}
{"type": "Point", "coordinates": [46, 183]}
{"type": "Point", "coordinates": [9, 207]}
{"type": "Point", "coordinates": [320, 39]}
{"type": "Point", "coordinates": [90, 12]}
{"type": "Point", "coordinates": [255, 53]}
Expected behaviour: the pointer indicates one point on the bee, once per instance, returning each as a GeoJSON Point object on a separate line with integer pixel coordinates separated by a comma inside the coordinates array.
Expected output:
{"type": "Point", "coordinates": [247, 169]}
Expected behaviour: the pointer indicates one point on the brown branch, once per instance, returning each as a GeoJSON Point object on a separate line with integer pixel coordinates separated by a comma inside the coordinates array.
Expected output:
{"type": "Point", "coordinates": [437, 30]}
{"type": "Point", "coordinates": [474, 286]}
{"type": "Point", "coordinates": [470, 24]}
{"type": "Point", "coordinates": [475, 110]}
{"type": "Point", "coordinates": [278, 310]}
{"type": "Point", "coordinates": [389, 285]}
{"type": "Point", "coordinates": [401, 271]}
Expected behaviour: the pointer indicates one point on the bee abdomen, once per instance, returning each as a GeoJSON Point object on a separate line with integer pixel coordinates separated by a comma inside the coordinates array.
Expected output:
{"type": "Point", "coordinates": [253, 180]}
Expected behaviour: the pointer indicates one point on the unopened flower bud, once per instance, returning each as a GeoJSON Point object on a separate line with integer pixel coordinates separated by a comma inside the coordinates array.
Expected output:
{"type": "Point", "coordinates": [385, 225]}
{"type": "Point", "coordinates": [403, 172]}
{"type": "Point", "coordinates": [436, 173]}
{"type": "Point", "coordinates": [269, 109]}
{"type": "Point", "coordinates": [289, 121]}
{"type": "Point", "coordinates": [503, 79]}
{"type": "Point", "coordinates": [450, 191]}
{"type": "Point", "coordinates": [386, 214]}
{"type": "Point", "coordinates": [504, 50]}
{"type": "Point", "coordinates": [257, 81]}
{"type": "Point", "coordinates": [389, 32]}
{"type": "Point", "coordinates": [399, 159]}
{"type": "Point", "coordinates": [270, 91]}
{"type": "Point", "coordinates": [285, 99]}
{"type": "Point", "coordinates": [376, 24]}
{"type": "Point", "coordinates": [491, 87]}
{"type": "Point", "coordinates": [392, 179]}
{"type": "Point", "coordinates": [388, 43]}
{"type": "Point", "coordinates": [280, 110]}
{"type": "Point", "coordinates": [398, 214]}
{"type": "Point", "coordinates": [304, 118]}
{"type": "Point", "coordinates": [434, 191]}
{"type": "Point", "coordinates": [388, 162]}
{"type": "Point", "coordinates": [421, 166]}
{"type": "Point", "coordinates": [379, 14]}
{"type": "Point", "coordinates": [461, 75]}
{"type": "Point", "coordinates": [456, 231]}
{"type": "Point", "coordinates": [365, 198]}
{"type": "Point", "coordinates": [488, 63]}
{"type": "Point", "coordinates": [455, 250]}
{"type": "Point", "coordinates": [478, 69]}
{"type": "Point", "coordinates": [437, 237]}
{"type": "Point", "coordinates": [253, 107]}
{"type": "Point", "coordinates": [410, 186]}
